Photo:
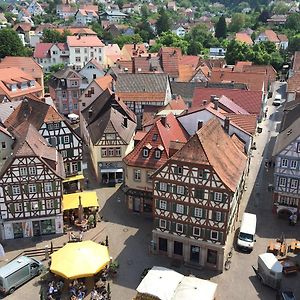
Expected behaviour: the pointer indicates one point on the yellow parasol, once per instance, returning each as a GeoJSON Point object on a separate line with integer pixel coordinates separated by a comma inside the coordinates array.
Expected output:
{"type": "Point", "coordinates": [81, 259]}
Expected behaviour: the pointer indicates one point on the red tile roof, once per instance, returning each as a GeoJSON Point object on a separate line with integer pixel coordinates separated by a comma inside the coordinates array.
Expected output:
{"type": "Point", "coordinates": [251, 101]}
{"type": "Point", "coordinates": [271, 35]}
{"type": "Point", "coordinates": [169, 58]}
{"type": "Point", "coordinates": [171, 131]}
{"type": "Point", "coordinates": [246, 122]}
{"type": "Point", "coordinates": [211, 146]}
{"type": "Point", "coordinates": [244, 38]}
{"type": "Point", "coordinates": [104, 82]}
{"type": "Point", "coordinates": [84, 41]}
{"type": "Point", "coordinates": [42, 49]}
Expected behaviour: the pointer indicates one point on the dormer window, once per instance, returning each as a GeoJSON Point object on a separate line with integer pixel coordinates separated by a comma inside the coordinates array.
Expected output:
{"type": "Point", "coordinates": [13, 87]}
{"type": "Point", "coordinates": [157, 154]}
{"type": "Point", "coordinates": [145, 152]}
{"type": "Point", "coordinates": [31, 83]}
{"type": "Point", "coordinates": [154, 137]}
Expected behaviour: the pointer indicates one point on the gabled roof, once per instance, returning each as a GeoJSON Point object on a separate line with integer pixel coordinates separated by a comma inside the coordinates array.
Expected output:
{"type": "Point", "coordinates": [84, 41]}
{"type": "Point", "coordinates": [291, 114]}
{"type": "Point", "coordinates": [106, 111]}
{"type": "Point", "coordinates": [24, 26]}
{"type": "Point", "coordinates": [26, 64]}
{"type": "Point", "coordinates": [245, 121]}
{"type": "Point", "coordinates": [254, 81]}
{"type": "Point", "coordinates": [244, 38]}
{"type": "Point", "coordinates": [271, 35]}
{"type": "Point", "coordinates": [251, 101]}
{"type": "Point", "coordinates": [287, 136]}
{"type": "Point", "coordinates": [77, 30]}
{"type": "Point", "coordinates": [104, 82]}
{"type": "Point", "coordinates": [42, 49]}
{"type": "Point", "coordinates": [86, 12]}
{"type": "Point", "coordinates": [211, 146]}
{"type": "Point", "coordinates": [34, 112]}
{"type": "Point", "coordinates": [166, 132]}
{"type": "Point", "coordinates": [65, 73]}
{"type": "Point", "coordinates": [30, 143]}
{"type": "Point", "coordinates": [142, 86]}
{"type": "Point", "coordinates": [293, 83]}
{"type": "Point", "coordinates": [169, 59]}
{"type": "Point", "coordinates": [296, 61]}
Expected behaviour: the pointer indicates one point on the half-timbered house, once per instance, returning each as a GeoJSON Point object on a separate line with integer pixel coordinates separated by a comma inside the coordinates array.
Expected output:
{"type": "Point", "coordinates": [6, 141]}
{"type": "Point", "coordinates": [160, 143]}
{"type": "Point", "coordinates": [31, 187]}
{"type": "Point", "coordinates": [286, 156]}
{"type": "Point", "coordinates": [54, 128]}
{"type": "Point", "coordinates": [108, 127]}
{"type": "Point", "coordinates": [196, 196]}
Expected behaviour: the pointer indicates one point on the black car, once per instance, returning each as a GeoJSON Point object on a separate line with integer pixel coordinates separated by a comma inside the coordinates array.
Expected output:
{"type": "Point", "coordinates": [285, 295]}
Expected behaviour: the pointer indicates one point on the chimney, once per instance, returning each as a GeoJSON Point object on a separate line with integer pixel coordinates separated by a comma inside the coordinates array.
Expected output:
{"type": "Point", "coordinates": [226, 124]}
{"type": "Point", "coordinates": [204, 102]}
{"type": "Point", "coordinates": [212, 98]}
{"type": "Point", "coordinates": [134, 46]}
{"type": "Point", "coordinates": [125, 122]}
{"type": "Point", "coordinates": [163, 121]}
{"type": "Point", "coordinates": [216, 103]}
{"type": "Point", "coordinates": [90, 112]}
{"type": "Point", "coordinates": [200, 124]}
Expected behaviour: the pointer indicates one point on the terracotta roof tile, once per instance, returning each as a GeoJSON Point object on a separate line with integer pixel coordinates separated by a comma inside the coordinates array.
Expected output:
{"type": "Point", "coordinates": [294, 83]}
{"type": "Point", "coordinates": [271, 35]}
{"type": "Point", "coordinates": [244, 38]}
{"type": "Point", "coordinates": [84, 41]}
{"type": "Point", "coordinates": [247, 122]}
{"type": "Point", "coordinates": [104, 82]}
{"type": "Point", "coordinates": [212, 146]}
{"type": "Point", "coordinates": [296, 61]}
{"type": "Point", "coordinates": [170, 131]}
{"type": "Point", "coordinates": [169, 58]}
{"type": "Point", "coordinates": [42, 49]}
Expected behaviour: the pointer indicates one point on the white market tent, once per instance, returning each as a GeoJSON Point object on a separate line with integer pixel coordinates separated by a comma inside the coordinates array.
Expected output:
{"type": "Point", "coordinates": [271, 262]}
{"type": "Point", "coordinates": [194, 288]}
{"type": "Point", "coordinates": [160, 282]}
{"type": "Point", "coordinates": [167, 284]}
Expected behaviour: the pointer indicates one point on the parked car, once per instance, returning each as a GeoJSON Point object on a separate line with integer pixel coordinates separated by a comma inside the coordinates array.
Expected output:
{"type": "Point", "coordinates": [278, 100]}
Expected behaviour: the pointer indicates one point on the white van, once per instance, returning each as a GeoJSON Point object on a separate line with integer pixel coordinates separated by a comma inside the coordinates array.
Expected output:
{"type": "Point", "coordinates": [277, 100]}
{"type": "Point", "coordinates": [246, 237]}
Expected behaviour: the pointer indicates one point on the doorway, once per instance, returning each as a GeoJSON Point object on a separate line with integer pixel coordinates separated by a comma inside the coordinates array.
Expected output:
{"type": "Point", "coordinates": [178, 248]}
{"type": "Point", "coordinates": [195, 254]}
{"type": "Point", "coordinates": [136, 204]}
{"type": "Point", "coordinates": [162, 244]}
{"type": "Point", "coordinates": [36, 228]}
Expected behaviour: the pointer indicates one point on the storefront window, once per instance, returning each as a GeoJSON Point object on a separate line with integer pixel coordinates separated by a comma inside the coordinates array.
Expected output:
{"type": "Point", "coordinates": [212, 256]}
{"type": "Point", "coordinates": [48, 226]}
{"type": "Point", "coordinates": [18, 230]}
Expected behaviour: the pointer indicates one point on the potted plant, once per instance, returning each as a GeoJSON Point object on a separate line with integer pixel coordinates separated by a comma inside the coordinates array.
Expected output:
{"type": "Point", "coordinates": [113, 267]}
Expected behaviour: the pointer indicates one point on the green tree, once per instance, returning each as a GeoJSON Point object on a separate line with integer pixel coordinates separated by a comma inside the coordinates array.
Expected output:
{"type": "Point", "coordinates": [294, 44]}
{"type": "Point", "coordinates": [54, 36]}
{"type": "Point", "coordinates": [10, 44]}
{"type": "Point", "coordinates": [280, 8]}
{"type": "Point", "coordinates": [221, 28]}
{"type": "Point", "coordinates": [264, 16]}
{"type": "Point", "coordinates": [293, 22]}
{"type": "Point", "coordinates": [236, 51]}
{"type": "Point", "coordinates": [95, 26]}
{"type": "Point", "coordinates": [121, 40]}
{"type": "Point", "coordinates": [194, 48]}
{"type": "Point", "coordinates": [163, 23]}
{"type": "Point", "coordinates": [237, 22]}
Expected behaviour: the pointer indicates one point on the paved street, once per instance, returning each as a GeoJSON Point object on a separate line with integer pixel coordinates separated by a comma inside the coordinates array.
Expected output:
{"type": "Point", "coordinates": [129, 236]}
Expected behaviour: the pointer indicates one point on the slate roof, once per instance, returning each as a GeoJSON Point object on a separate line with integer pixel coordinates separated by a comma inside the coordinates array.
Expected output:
{"type": "Point", "coordinates": [211, 146]}
{"type": "Point", "coordinates": [171, 131]}
{"type": "Point", "coordinates": [104, 112]}
{"type": "Point", "coordinates": [251, 101]}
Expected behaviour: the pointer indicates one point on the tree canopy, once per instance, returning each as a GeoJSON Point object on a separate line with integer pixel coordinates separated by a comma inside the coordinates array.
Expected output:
{"type": "Point", "coordinates": [221, 28]}
{"type": "Point", "coordinates": [163, 23]}
{"type": "Point", "coordinates": [54, 36]}
{"type": "Point", "coordinates": [10, 44]}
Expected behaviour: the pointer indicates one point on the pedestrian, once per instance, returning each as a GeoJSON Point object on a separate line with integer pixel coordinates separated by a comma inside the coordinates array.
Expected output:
{"type": "Point", "coordinates": [72, 219]}
{"type": "Point", "coordinates": [80, 236]}
{"type": "Point", "coordinates": [106, 241]}
{"type": "Point", "coordinates": [51, 247]}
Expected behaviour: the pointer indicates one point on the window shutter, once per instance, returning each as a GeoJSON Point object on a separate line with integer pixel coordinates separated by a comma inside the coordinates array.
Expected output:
{"type": "Point", "coordinates": [79, 166]}
{"type": "Point", "coordinates": [55, 204]}
{"type": "Point", "coordinates": [62, 140]}
{"type": "Point", "coordinates": [156, 185]}
{"type": "Point", "coordinates": [221, 237]}
{"type": "Point", "coordinates": [204, 174]}
{"type": "Point", "coordinates": [157, 203]}
{"type": "Point", "coordinates": [192, 211]}
{"type": "Point", "coordinates": [12, 208]}
{"type": "Point", "coordinates": [26, 188]}
{"type": "Point", "coordinates": [169, 188]}
{"type": "Point", "coordinates": [174, 207]}
{"type": "Point", "coordinates": [214, 215]}
{"type": "Point", "coordinates": [39, 187]}
{"type": "Point", "coordinates": [211, 195]}
{"type": "Point", "coordinates": [53, 186]}
{"type": "Point", "coordinates": [173, 226]}
{"type": "Point", "coordinates": [70, 138]}
{"type": "Point", "coordinates": [185, 191]}
{"type": "Point", "coordinates": [9, 190]}
{"type": "Point", "coordinates": [205, 212]}
{"type": "Point", "coordinates": [223, 216]}
{"type": "Point", "coordinates": [40, 205]}
{"type": "Point", "coordinates": [185, 210]}
{"type": "Point", "coordinates": [174, 188]}
{"type": "Point", "coordinates": [28, 206]}
{"type": "Point", "coordinates": [207, 234]}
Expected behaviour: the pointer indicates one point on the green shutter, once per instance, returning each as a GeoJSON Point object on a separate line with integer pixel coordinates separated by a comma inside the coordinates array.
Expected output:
{"type": "Point", "coordinates": [157, 203]}
{"type": "Point", "coordinates": [79, 166]}
{"type": "Point", "coordinates": [40, 205]}
{"type": "Point", "coordinates": [9, 190]}
{"type": "Point", "coordinates": [212, 196]}
{"type": "Point", "coordinates": [207, 234]}
{"type": "Point", "coordinates": [70, 138]}
{"type": "Point", "coordinates": [205, 174]}
{"type": "Point", "coordinates": [213, 215]}
{"type": "Point", "coordinates": [156, 223]}
{"type": "Point", "coordinates": [62, 141]}
{"type": "Point", "coordinates": [55, 203]}
{"type": "Point", "coordinates": [156, 185]}
{"type": "Point", "coordinates": [174, 207]}
{"type": "Point", "coordinates": [53, 186]}
{"type": "Point", "coordinates": [173, 227]}
{"type": "Point", "coordinates": [192, 211]}
{"type": "Point", "coordinates": [26, 188]}
{"type": "Point", "coordinates": [186, 191]}
{"type": "Point", "coordinates": [39, 187]}
{"type": "Point", "coordinates": [28, 206]}
{"type": "Point", "coordinates": [185, 209]}
{"type": "Point", "coordinates": [12, 208]}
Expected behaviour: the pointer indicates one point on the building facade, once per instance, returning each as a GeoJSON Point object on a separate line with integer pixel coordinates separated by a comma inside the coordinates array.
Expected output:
{"type": "Point", "coordinates": [196, 196]}
{"type": "Point", "coordinates": [31, 187]}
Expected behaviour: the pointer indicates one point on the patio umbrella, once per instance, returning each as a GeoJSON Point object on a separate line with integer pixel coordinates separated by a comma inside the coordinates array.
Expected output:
{"type": "Point", "coordinates": [78, 260]}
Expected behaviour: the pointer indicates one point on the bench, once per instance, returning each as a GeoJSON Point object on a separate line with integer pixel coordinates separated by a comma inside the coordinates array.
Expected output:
{"type": "Point", "coordinates": [290, 270]}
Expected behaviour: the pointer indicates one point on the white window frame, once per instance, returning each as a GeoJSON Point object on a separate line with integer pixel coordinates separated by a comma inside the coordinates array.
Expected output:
{"type": "Point", "coordinates": [196, 229]}
{"type": "Point", "coordinates": [32, 170]}
{"type": "Point", "coordinates": [23, 171]}
{"type": "Point", "coordinates": [218, 196]}
{"type": "Point", "coordinates": [199, 213]}
{"type": "Point", "coordinates": [74, 167]}
{"type": "Point", "coordinates": [179, 170]}
{"type": "Point", "coordinates": [163, 187]}
{"type": "Point", "coordinates": [137, 175]}
{"type": "Point", "coordinates": [214, 232]}
{"type": "Point", "coordinates": [118, 152]}
{"type": "Point", "coordinates": [56, 125]}
{"type": "Point", "coordinates": [218, 216]}
{"type": "Point", "coordinates": [64, 153]}
{"type": "Point", "coordinates": [149, 174]}
{"type": "Point", "coordinates": [282, 182]}
{"type": "Point", "coordinates": [66, 139]}
{"type": "Point", "coordinates": [180, 208]}
{"type": "Point", "coordinates": [294, 183]}
{"type": "Point", "coordinates": [104, 152]}
{"type": "Point", "coordinates": [294, 164]}
{"type": "Point", "coordinates": [298, 147]}
{"type": "Point", "coordinates": [111, 152]}
{"type": "Point", "coordinates": [145, 152]}
{"type": "Point", "coordinates": [177, 227]}
{"type": "Point", "coordinates": [284, 163]}
{"type": "Point", "coordinates": [163, 204]}
{"type": "Point", "coordinates": [18, 207]}
{"type": "Point", "coordinates": [180, 189]}
{"type": "Point", "coordinates": [48, 187]}
{"type": "Point", "coordinates": [35, 205]}
{"type": "Point", "coordinates": [32, 188]}
{"type": "Point", "coordinates": [16, 190]}
{"type": "Point", "coordinates": [162, 224]}
{"type": "Point", "coordinates": [157, 154]}
{"type": "Point", "coordinates": [50, 204]}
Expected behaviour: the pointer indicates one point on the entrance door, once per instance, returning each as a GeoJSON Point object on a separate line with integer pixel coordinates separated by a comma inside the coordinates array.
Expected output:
{"type": "Point", "coordinates": [162, 244]}
{"type": "Point", "coordinates": [194, 254]}
{"type": "Point", "coordinates": [212, 256]}
{"type": "Point", "coordinates": [136, 204]}
{"type": "Point", "coordinates": [178, 248]}
{"type": "Point", "coordinates": [36, 228]}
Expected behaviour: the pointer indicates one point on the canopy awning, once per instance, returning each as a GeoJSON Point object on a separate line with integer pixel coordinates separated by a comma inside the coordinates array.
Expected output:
{"type": "Point", "coordinates": [73, 178]}
{"type": "Point", "coordinates": [88, 199]}
{"type": "Point", "coordinates": [111, 170]}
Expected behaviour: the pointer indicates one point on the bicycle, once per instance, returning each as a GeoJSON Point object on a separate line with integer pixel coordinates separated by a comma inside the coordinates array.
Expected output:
{"type": "Point", "coordinates": [228, 260]}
